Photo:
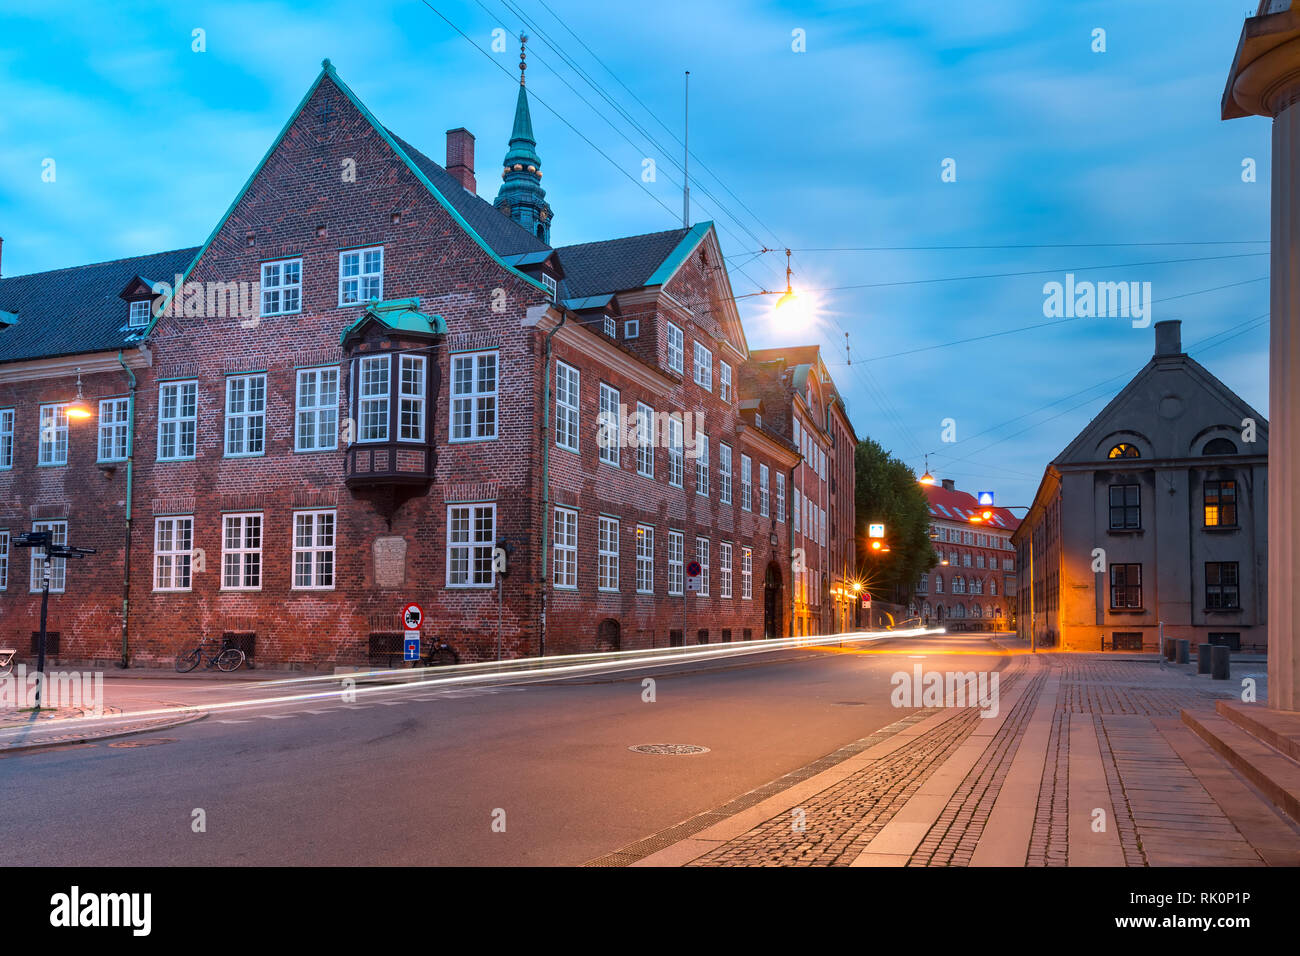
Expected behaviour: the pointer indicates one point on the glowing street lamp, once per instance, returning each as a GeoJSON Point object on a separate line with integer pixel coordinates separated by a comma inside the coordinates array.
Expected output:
{"type": "Point", "coordinates": [927, 478]}
{"type": "Point", "coordinates": [79, 408]}
{"type": "Point", "coordinates": [789, 298]}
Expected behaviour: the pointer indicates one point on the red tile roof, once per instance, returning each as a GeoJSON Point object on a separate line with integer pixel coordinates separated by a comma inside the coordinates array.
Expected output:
{"type": "Point", "coordinates": [960, 505]}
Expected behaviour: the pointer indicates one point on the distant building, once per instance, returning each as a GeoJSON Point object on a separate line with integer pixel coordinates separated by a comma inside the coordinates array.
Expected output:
{"type": "Point", "coordinates": [1156, 513]}
{"type": "Point", "coordinates": [973, 590]}
{"type": "Point", "coordinates": [790, 392]}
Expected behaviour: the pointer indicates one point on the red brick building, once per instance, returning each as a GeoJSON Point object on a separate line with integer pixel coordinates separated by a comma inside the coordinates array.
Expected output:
{"type": "Point", "coordinates": [973, 587]}
{"type": "Point", "coordinates": [793, 393]}
{"type": "Point", "coordinates": [365, 388]}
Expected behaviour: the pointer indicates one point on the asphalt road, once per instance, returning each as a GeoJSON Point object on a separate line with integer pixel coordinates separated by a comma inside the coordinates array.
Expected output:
{"type": "Point", "coordinates": [418, 776]}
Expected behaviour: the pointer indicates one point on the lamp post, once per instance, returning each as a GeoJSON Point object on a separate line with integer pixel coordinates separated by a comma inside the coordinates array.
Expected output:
{"type": "Point", "coordinates": [985, 515]}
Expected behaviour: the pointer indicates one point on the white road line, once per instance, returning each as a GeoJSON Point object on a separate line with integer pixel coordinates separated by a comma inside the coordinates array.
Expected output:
{"type": "Point", "coordinates": [275, 716]}
{"type": "Point", "coordinates": [232, 721]}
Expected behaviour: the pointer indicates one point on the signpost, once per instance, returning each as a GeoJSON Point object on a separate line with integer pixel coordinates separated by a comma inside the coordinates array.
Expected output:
{"type": "Point", "coordinates": [985, 499]}
{"type": "Point", "coordinates": [875, 531]}
{"type": "Point", "coordinates": [693, 582]}
{"type": "Point", "coordinates": [49, 552]}
{"type": "Point", "coordinates": [412, 618]}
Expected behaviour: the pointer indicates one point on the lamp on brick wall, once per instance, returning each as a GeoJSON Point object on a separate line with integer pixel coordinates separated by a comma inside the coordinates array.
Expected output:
{"type": "Point", "coordinates": [79, 408]}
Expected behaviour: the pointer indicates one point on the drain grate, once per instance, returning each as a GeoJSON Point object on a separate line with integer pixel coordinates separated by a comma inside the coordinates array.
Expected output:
{"type": "Point", "coordinates": [673, 750]}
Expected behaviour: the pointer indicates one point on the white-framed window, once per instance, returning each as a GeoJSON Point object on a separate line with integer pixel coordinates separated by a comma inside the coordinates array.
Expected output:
{"type": "Point", "coordinates": [139, 313]}
{"type": "Point", "coordinates": [58, 566]}
{"type": "Point", "coordinates": [317, 410]}
{"type": "Point", "coordinates": [410, 397]}
{"type": "Point", "coordinates": [245, 415]}
{"type": "Point", "coordinates": [54, 435]}
{"type": "Point", "coordinates": [282, 287]}
{"type": "Point", "coordinates": [471, 536]}
{"type": "Point", "coordinates": [724, 382]}
{"type": "Point", "coordinates": [702, 556]}
{"type": "Point", "coordinates": [758, 420]}
{"type": "Point", "coordinates": [114, 436]}
{"type": "Point", "coordinates": [747, 573]}
{"type": "Point", "coordinates": [173, 548]}
{"type": "Point", "coordinates": [611, 329]}
{"type": "Point", "coordinates": [746, 483]}
{"type": "Point", "coordinates": [780, 496]}
{"type": "Point", "coordinates": [702, 465]}
{"type": "Point", "coordinates": [474, 396]}
{"type": "Point", "coordinates": [724, 569]}
{"type": "Point", "coordinates": [645, 559]}
{"type": "Point", "coordinates": [178, 420]}
{"type": "Point", "coordinates": [632, 329]}
{"type": "Point", "coordinates": [724, 473]}
{"type": "Point", "coordinates": [6, 438]}
{"type": "Point", "coordinates": [676, 569]}
{"type": "Point", "coordinates": [676, 451]}
{"type": "Point", "coordinates": [608, 426]}
{"type": "Point", "coordinates": [374, 392]}
{"type": "Point", "coordinates": [313, 550]}
{"type": "Point", "coordinates": [798, 435]}
{"type": "Point", "coordinates": [566, 406]}
{"type": "Point", "coordinates": [764, 496]}
{"type": "Point", "coordinates": [241, 552]}
{"type": "Point", "coordinates": [703, 367]}
{"type": "Point", "coordinates": [821, 526]}
{"type": "Point", "coordinates": [607, 554]}
{"type": "Point", "coordinates": [565, 556]}
{"type": "Point", "coordinates": [645, 448]}
{"type": "Point", "coordinates": [676, 348]}
{"type": "Point", "coordinates": [551, 285]}
{"type": "Point", "coordinates": [4, 560]}
{"type": "Point", "coordinates": [361, 275]}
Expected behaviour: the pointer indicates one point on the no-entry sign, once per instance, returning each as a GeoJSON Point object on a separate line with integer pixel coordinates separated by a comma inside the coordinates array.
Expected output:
{"type": "Point", "coordinates": [412, 616]}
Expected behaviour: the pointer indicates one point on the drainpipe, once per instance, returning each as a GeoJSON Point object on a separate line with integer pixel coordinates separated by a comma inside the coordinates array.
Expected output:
{"type": "Point", "coordinates": [130, 461]}
{"type": "Point", "coordinates": [546, 475]}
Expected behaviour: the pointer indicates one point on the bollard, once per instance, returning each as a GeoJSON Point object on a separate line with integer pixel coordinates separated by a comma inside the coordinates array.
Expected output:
{"type": "Point", "coordinates": [1219, 662]}
{"type": "Point", "coordinates": [1184, 650]}
{"type": "Point", "coordinates": [1203, 658]}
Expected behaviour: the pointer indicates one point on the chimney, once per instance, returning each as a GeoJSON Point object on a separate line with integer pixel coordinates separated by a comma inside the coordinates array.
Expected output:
{"type": "Point", "coordinates": [460, 157]}
{"type": "Point", "coordinates": [1169, 338]}
{"type": "Point", "coordinates": [949, 485]}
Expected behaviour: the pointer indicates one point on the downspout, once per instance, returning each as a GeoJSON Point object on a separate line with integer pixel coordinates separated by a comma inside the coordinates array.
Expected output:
{"type": "Point", "coordinates": [546, 476]}
{"type": "Point", "coordinates": [126, 551]}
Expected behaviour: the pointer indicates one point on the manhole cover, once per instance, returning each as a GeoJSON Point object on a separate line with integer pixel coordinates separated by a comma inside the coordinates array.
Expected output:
{"type": "Point", "coordinates": [674, 750]}
{"type": "Point", "coordinates": [143, 742]}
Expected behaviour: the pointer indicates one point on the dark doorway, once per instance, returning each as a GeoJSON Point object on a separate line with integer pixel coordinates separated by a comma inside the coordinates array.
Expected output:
{"type": "Point", "coordinates": [772, 601]}
{"type": "Point", "coordinates": [608, 635]}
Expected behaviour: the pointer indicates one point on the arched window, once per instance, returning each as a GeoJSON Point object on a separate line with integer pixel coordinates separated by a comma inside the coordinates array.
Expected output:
{"type": "Point", "coordinates": [959, 611]}
{"type": "Point", "coordinates": [938, 584]}
{"type": "Point", "coordinates": [976, 611]}
{"type": "Point", "coordinates": [1219, 446]}
{"type": "Point", "coordinates": [993, 586]}
{"type": "Point", "coordinates": [1124, 450]}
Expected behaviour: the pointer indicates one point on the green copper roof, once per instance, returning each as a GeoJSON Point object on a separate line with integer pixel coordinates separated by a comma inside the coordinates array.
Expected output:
{"type": "Point", "coordinates": [400, 315]}
{"type": "Point", "coordinates": [522, 133]}
{"type": "Point", "coordinates": [678, 256]}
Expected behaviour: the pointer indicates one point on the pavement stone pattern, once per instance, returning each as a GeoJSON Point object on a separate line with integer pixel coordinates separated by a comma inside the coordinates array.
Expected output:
{"type": "Point", "coordinates": [954, 836]}
{"type": "Point", "coordinates": [841, 820]}
{"type": "Point", "coordinates": [1159, 814]}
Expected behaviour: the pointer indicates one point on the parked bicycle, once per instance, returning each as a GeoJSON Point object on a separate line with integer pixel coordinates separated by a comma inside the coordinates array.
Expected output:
{"type": "Point", "coordinates": [440, 655]}
{"type": "Point", "coordinates": [227, 659]}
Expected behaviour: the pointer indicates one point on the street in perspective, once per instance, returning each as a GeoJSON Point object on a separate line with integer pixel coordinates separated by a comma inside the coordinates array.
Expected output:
{"type": "Point", "coordinates": [784, 435]}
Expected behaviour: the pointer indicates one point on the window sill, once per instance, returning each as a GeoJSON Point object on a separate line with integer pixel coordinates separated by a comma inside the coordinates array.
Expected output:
{"type": "Point", "coordinates": [1133, 531]}
{"type": "Point", "coordinates": [1222, 610]}
{"type": "Point", "coordinates": [314, 451]}
{"type": "Point", "coordinates": [1220, 528]}
{"type": "Point", "coordinates": [470, 441]}
{"type": "Point", "coordinates": [1128, 610]}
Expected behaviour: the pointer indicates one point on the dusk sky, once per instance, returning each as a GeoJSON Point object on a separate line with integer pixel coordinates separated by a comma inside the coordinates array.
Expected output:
{"type": "Point", "coordinates": [1118, 158]}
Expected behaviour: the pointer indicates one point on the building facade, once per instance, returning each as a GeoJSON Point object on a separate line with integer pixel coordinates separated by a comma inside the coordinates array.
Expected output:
{"type": "Point", "coordinates": [791, 391]}
{"type": "Point", "coordinates": [972, 586]}
{"type": "Point", "coordinates": [1154, 517]}
{"type": "Point", "coordinates": [369, 386]}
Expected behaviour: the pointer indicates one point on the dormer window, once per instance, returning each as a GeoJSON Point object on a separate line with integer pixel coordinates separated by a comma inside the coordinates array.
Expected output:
{"type": "Point", "coordinates": [139, 315]}
{"type": "Point", "coordinates": [549, 282]}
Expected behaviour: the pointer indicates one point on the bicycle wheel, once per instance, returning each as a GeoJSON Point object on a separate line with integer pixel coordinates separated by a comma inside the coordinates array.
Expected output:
{"type": "Point", "coordinates": [445, 656]}
{"type": "Point", "coordinates": [187, 662]}
{"type": "Point", "coordinates": [231, 659]}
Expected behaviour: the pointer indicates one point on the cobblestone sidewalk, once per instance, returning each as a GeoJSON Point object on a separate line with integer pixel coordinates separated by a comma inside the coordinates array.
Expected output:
{"type": "Point", "coordinates": [1087, 764]}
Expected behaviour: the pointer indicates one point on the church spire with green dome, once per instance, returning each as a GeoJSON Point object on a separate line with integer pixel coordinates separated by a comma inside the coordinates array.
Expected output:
{"type": "Point", "coordinates": [522, 197]}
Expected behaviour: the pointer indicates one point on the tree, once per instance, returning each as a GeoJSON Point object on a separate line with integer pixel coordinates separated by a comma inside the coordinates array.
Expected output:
{"type": "Point", "coordinates": [886, 491]}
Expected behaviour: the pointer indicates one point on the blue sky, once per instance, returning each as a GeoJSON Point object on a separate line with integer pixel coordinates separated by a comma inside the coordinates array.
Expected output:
{"type": "Point", "coordinates": [838, 147]}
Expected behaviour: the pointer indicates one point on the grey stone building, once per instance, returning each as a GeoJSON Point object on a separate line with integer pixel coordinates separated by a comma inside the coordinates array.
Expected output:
{"type": "Point", "coordinates": [1156, 513]}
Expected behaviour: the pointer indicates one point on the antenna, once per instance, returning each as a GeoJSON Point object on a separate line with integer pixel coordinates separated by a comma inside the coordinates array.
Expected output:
{"type": "Point", "coordinates": [686, 159]}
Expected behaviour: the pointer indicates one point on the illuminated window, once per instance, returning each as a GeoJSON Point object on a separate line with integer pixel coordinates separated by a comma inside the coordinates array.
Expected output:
{"type": "Point", "coordinates": [1220, 504]}
{"type": "Point", "coordinates": [1124, 450]}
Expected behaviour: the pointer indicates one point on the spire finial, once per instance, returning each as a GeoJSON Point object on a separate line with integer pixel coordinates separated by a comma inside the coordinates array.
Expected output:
{"type": "Point", "coordinates": [523, 56]}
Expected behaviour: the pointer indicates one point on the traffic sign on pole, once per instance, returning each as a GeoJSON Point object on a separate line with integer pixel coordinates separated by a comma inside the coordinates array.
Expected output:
{"type": "Point", "coordinates": [412, 616]}
{"type": "Point", "coordinates": [411, 646]}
